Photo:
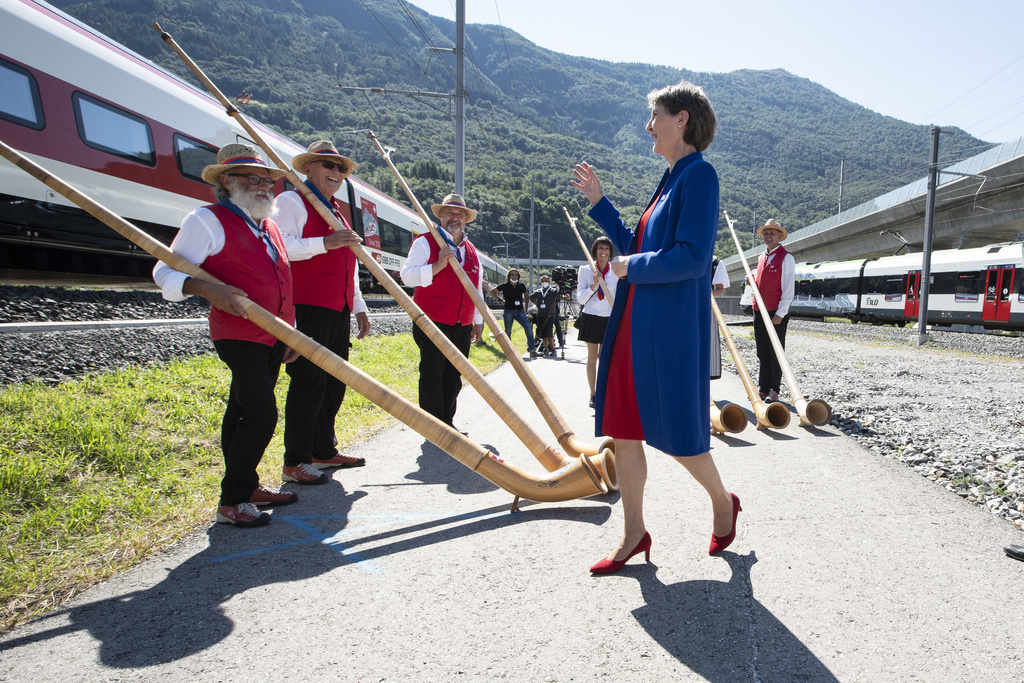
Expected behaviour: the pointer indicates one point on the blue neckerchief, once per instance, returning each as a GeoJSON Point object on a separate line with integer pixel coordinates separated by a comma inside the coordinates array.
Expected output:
{"type": "Point", "coordinates": [320, 195]}
{"type": "Point", "coordinates": [448, 241]}
{"type": "Point", "coordinates": [261, 232]}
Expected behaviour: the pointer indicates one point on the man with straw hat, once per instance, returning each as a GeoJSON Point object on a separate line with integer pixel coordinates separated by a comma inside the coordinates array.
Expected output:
{"type": "Point", "coordinates": [326, 275]}
{"type": "Point", "coordinates": [442, 297]}
{"type": "Point", "coordinates": [774, 279]}
{"type": "Point", "coordinates": [236, 241]}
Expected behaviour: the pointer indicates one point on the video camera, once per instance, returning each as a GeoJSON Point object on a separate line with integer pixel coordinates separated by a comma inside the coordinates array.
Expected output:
{"type": "Point", "coordinates": [564, 278]}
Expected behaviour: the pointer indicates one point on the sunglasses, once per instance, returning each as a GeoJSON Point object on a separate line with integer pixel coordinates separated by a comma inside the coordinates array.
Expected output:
{"type": "Point", "coordinates": [255, 179]}
{"type": "Point", "coordinates": [331, 166]}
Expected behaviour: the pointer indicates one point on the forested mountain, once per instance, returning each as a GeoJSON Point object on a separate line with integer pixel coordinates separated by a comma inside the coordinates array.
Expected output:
{"type": "Point", "coordinates": [533, 114]}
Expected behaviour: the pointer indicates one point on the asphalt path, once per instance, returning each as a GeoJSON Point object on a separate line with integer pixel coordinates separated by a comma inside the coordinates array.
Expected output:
{"type": "Point", "coordinates": [847, 566]}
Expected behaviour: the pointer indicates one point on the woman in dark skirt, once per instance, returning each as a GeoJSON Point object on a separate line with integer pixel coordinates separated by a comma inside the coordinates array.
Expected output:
{"type": "Point", "coordinates": [654, 382]}
{"type": "Point", "coordinates": [596, 308]}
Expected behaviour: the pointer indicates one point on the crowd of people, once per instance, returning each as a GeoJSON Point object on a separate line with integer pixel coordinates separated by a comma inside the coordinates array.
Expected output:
{"type": "Point", "coordinates": [281, 253]}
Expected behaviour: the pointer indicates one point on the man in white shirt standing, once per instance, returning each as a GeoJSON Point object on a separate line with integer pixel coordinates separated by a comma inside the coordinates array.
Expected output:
{"type": "Point", "coordinates": [775, 280]}
{"type": "Point", "coordinates": [439, 292]}
{"type": "Point", "coordinates": [237, 242]}
{"type": "Point", "coordinates": [326, 285]}
{"type": "Point", "coordinates": [719, 283]}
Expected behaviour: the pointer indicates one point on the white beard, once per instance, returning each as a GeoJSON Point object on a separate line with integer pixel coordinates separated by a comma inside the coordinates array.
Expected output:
{"type": "Point", "coordinates": [259, 203]}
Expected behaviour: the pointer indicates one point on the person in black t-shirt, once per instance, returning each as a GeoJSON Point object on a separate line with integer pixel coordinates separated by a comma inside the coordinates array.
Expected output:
{"type": "Point", "coordinates": [513, 294]}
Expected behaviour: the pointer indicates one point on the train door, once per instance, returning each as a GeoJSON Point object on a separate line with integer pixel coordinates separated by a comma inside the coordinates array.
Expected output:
{"type": "Point", "coordinates": [910, 308]}
{"type": "Point", "coordinates": [998, 287]}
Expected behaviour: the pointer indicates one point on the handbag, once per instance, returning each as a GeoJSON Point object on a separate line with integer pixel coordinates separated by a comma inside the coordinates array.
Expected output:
{"type": "Point", "coordinates": [579, 321]}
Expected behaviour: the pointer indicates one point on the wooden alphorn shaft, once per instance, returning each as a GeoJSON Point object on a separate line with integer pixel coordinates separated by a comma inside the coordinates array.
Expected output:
{"type": "Point", "coordinates": [581, 477]}
{"type": "Point", "coordinates": [590, 259]}
{"type": "Point", "coordinates": [815, 412]}
{"type": "Point", "coordinates": [549, 456]}
{"type": "Point", "coordinates": [769, 416]}
{"type": "Point", "coordinates": [565, 436]}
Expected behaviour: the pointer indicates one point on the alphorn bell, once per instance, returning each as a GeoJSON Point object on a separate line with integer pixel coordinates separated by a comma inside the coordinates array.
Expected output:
{"type": "Point", "coordinates": [550, 457]}
{"type": "Point", "coordinates": [566, 438]}
{"type": "Point", "coordinates": [814, 412]}
{"type": "Point", "coordinates": [770, 415]}
{"type": "Point", "coordinates": [590, 259]}
{"type": "Point", "coordinates": [578, 479]}
{"type": "Point", "coordinates": [729, 418]}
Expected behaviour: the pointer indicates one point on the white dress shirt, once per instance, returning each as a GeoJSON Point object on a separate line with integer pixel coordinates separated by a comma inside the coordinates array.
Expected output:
{"type": "Point", "coordinates": [418, 273]}
{"type": "Point", "coordinates": [592, 304]}
{"type": "Point", "coordinates": [201, 235]}
{"type": "Point", "coordinates": [291, 219]}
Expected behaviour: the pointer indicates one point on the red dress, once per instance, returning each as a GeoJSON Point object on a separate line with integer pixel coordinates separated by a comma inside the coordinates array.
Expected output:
{"type": "Point", "coordinates": [621, 414]}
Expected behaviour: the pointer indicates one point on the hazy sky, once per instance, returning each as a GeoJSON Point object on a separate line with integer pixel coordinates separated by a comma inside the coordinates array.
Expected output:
{"type": "Point", "coordinates": [942, 62]}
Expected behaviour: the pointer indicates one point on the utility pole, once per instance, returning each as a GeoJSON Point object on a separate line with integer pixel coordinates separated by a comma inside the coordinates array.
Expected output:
{"type": "Point", "coordinates": [926, 256]}
{"type": "Point", "coordinates": [531, 233]}
{"type": "Point", "coordinates": [539, 226]}
{"type": "Point", "coordinates": [460, 97]}
{"type": "Point", "coordinates": [842, 168]}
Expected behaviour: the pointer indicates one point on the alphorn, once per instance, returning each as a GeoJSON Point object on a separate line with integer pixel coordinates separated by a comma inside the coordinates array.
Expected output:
{"type": "Point", "coordinates": [729, 418]}
{"type": "Point", "coordinates": [814, 412]}
{"type": "Point", "coordinates": [550, 457]}
{"type": "Point", "coordinates": [590, 259]}
{"type": "Point", "coordinates": [579, 478]}
{"type": "Point", "coordinates": [566, 438]}
{"type": "Point", "coordinates": [770, 415]}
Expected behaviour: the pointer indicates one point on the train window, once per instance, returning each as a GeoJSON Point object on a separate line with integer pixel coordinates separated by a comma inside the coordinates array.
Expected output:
{"type": "Point", "coordinates": [803, 289]}
{"type": "Point", "coordinates": [817, 288]}
{"type": "Point", "coordinates": [20, 103]}
{"type": "Point", "coordinates": [968, 286]}
{"type": "Point", "coordinates": [895, 286]}
{"type": "Point", "coordinates": [943, 283]}
{"type": "Point", "coordinates": [112, 130]}
{"type": "Point", "coordinates": [847, 285]}
{"type": "Point", "coordinates": [831, 288]}
{"type": "Point", "coordinates": [193, 156]}
{"type": "Point", "coordinates": [874, 284]}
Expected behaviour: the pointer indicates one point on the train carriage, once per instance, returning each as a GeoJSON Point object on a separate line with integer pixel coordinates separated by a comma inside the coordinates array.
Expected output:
{"type": "Point", "coordinates": [982, 287]}
{"type": "Point", "coordinates": [134, 138]}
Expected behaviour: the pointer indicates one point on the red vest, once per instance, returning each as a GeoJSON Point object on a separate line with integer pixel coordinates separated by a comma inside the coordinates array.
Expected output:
{"type": "Point", "coordinates": [244, 263]}
{"type": "Point", "coordinates": [445, 300]}
{"type": "Point", "coordinates": [325, 280]}
{"type": "Point", "coordinates": [769, 278]}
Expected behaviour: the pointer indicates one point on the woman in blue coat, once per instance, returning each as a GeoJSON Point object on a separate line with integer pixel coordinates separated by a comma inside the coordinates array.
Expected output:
{"type": "Point", "coordinates": [653, 381]}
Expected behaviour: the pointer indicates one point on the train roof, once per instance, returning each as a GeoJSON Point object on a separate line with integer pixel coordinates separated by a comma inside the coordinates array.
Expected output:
{"type": "Point", "coordinates": [948, 259]}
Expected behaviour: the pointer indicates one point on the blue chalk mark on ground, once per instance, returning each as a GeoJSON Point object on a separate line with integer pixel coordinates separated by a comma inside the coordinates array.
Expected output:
{"type": "Point", "coordinates": [335, 541]}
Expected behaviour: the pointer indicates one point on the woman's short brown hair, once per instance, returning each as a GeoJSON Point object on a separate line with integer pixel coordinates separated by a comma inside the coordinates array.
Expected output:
{"type": "Point", "coordinates": [685, 96]}
{"type": "Point", "coordinates": [602, 241]}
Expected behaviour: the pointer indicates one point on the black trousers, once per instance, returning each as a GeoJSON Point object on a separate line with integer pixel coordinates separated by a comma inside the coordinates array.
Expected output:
{"type": "Point", "coordinates": [314, 395]}
{"type": "Point", "coordinates": [769, 373]}
{"type": "Point", "coordinates": [440, 381]}
{"type": "Point", "coordinates": [251, 415]}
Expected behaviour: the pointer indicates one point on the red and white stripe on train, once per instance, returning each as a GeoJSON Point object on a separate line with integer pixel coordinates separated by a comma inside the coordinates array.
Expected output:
{"type": "Point", "coordinates": [982, 286]}
{"type": "Point", "coordinates": [135, 138]}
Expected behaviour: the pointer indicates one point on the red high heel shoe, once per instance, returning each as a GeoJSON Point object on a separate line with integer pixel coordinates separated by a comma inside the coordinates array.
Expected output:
{"type": "Point", "coordinates": [607, 566]}
{"type": "Point", "coordinates": [720, 544]}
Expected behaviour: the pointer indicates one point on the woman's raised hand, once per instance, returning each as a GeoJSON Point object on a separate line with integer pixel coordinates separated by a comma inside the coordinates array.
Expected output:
{"type": "Point", "coordinates": [587, 182]}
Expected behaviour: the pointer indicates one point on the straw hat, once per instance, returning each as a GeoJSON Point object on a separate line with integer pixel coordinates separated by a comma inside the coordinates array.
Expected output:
{"type": "Point", "coordinates": [322, 150]}
{"type": "Point", "coordinates": [458, 202]}
{"type": "Point", "coordinates": [772, 223]}
{"type": "Point", "coordinates": [238, 156]}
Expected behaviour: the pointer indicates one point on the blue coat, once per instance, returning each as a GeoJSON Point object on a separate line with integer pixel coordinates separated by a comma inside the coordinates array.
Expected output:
{"type": "Point", "coordinates": [671, 325]}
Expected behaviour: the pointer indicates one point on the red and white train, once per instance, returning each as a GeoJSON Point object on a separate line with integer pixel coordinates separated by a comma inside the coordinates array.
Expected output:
{"type": "Point", "coordinates": [135, 138]}
{"type": "Point", "coordinates": [981, 287]}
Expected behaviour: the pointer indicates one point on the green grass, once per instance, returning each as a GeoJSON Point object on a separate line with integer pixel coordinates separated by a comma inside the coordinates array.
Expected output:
{"type": "Point", "coordinates": [97, 474]}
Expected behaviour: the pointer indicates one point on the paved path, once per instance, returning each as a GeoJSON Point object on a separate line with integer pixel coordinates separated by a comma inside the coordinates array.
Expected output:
{"type": "Point", "coordinates": [846, 567]}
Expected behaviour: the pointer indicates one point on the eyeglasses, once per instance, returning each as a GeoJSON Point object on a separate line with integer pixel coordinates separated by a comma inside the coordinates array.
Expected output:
{"type": "Point", "coordinates": [331, 166]}
{"type": "Point", "coordinates": [255, 180]}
